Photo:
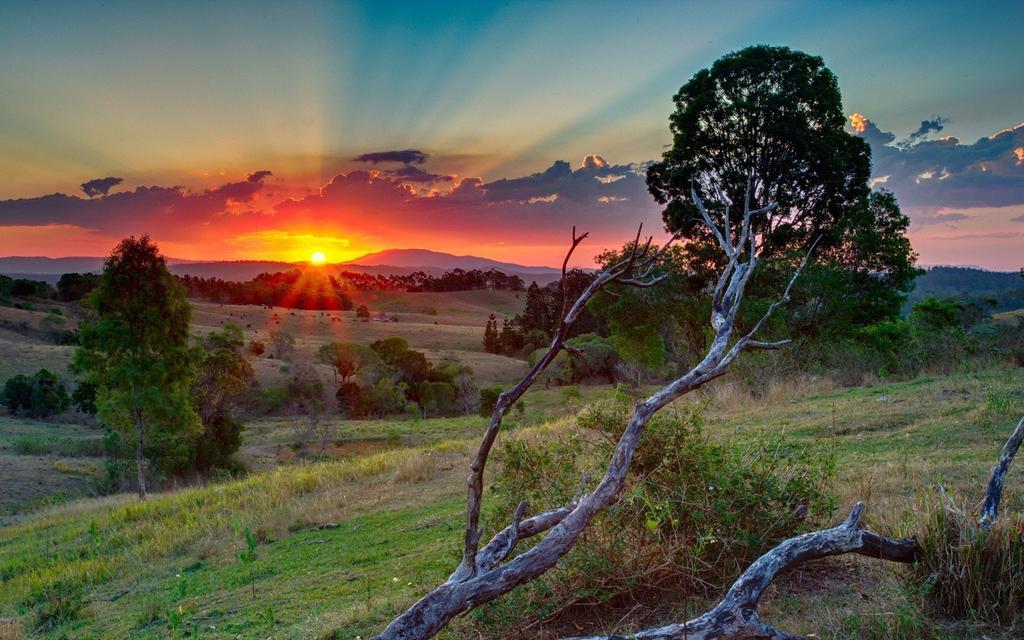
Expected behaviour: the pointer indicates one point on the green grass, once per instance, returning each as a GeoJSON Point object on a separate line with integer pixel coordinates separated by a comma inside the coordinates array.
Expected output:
{"type": "Point", "coordinates": [394, 516]}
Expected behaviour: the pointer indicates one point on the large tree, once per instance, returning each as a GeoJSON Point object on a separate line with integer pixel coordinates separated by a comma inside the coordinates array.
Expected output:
{"type": "Point", "coordinates": [773, 117]}
{"type": "Point", "coordinates": [137, 352]}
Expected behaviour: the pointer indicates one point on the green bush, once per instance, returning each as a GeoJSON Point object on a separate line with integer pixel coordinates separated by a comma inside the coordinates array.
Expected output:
{"type": "Point", "coordinates": [56, 604]}
{"type": "Point", "coordinates": [40, 396]}
{"type": "Point", "coordinates": [488, 400]}
{"type": "Point", "coordinates": [692, 516]}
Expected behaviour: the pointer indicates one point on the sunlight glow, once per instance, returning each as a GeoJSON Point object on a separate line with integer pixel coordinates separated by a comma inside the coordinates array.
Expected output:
{"type": "Point", "coordinates": [318, 257]}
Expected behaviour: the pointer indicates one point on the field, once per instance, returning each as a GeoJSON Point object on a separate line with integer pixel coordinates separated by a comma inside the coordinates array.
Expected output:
{"type": "Point", "coordinates": [344, 544]}
{"type": "Point", "coordinates": [347, 537]}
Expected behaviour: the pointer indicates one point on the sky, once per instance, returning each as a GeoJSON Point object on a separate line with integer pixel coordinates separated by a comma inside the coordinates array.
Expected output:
{"type": "Point", "coordinates": [264, 130]}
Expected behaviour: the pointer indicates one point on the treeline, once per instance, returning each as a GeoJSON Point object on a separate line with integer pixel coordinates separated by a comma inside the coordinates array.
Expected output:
{"type": "Point", "coordinates": [845, 325]}
{"type": "Point", "coordinates": [296, 289]}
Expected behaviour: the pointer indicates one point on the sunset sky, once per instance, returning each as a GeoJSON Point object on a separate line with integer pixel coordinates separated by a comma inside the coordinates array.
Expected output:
{"type": "Point", "coordinates": [271, 130]}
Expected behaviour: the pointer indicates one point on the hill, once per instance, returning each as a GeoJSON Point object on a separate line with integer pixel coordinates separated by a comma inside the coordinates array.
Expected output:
{"type": "Point", "coordinates": [1005, 288]}
{"type": "Point", "coordinates": [425, 258]}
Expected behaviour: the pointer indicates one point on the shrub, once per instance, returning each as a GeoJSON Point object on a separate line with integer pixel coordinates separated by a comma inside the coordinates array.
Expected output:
{"type": "Point", "coordinates": [40, 396]}
{"type": "Point", "coordinates": [362, 311]}
{"type": "Point", "coordinates": [56, 604]}
{"type": "Point", "coordinates": [967, 571]}
{"type": "Point", "coordinates": [257, 348]}
{"type": "Point", "coordinates": [488, 400]}
{"type": "Point", "coordinates": [692, 515]}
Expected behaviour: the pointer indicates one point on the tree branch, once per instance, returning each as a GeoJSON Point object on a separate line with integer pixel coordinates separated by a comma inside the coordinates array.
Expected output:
{"type": "Point", "coordinates": [990, 506]}
{"type": "Point", "coordinates": [736, 615]}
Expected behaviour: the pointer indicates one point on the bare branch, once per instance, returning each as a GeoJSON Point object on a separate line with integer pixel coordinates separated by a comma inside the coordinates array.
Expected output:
{"type": "Point", "coordinates": [990, 506]}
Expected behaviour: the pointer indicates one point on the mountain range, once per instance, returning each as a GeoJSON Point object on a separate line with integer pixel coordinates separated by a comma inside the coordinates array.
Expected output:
{"type": "Point", "coordinates": [388, 262]}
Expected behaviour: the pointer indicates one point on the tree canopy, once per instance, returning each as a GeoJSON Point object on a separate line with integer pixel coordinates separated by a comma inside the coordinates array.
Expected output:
{"type": "Point", "coordinates": [137, 352]}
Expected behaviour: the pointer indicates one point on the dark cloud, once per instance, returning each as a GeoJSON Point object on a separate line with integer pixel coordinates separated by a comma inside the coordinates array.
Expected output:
{"type": "Point", "coordinates": [172, 212]}
{"type": "Point", "coordinates": [927, 126]}
{"type": "Point", "coordinates": [929, 175]}
{"type": "Point", "coordinates": [410, 173]}
{"type": "Point", "coordinates": [594, 181]}
{"type": "Point", "coordinates": [258, 176]}
{"type": "Point", "coordinates": [407, 156]}
{"type": "Point", "coordinates": [1017, 219]}
{"type": "Point", "coordinates": [100, 186]}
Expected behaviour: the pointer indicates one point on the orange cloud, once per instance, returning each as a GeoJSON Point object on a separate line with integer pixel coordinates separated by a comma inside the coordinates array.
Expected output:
{"type": "Point", "coordinates": [859, 122]}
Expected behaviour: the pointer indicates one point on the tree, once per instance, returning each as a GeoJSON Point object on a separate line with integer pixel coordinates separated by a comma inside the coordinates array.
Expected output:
{"type": "Point", "coordinates": [224, 378]}
{"type": "Point", "coordinates": [774, 116]}
{"type": "Point", "coordinates": [491, 335]}
{"type": "Point", "coordinates": [283, 343]}
{"type": "Point", "coordinates": [346, 359]}
{"type": "Point", "coordinates": [230, 337]}
{"type": "Point", "coordinates": [18, 393]}
{"type": "Point", "coordinates": [49, 395]}
{"type": "Point", "coordinates": [305, 391]}
{"type": "Point", "coordinates": [136, 350]}
{"type": "Point", "coordinates": [75, 286]}
{"type": "Point", "coordinates": [362, 311]}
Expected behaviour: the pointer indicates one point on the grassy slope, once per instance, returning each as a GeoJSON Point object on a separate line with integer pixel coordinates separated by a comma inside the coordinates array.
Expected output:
{"type": "Point", "coordinates": [398, 513]}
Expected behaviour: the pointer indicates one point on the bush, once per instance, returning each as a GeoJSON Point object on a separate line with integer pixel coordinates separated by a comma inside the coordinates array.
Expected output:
{"type": "Point", "coordinates": [691, 517]}
{"type": "Point", "coordinates": [40, 396]}
{"type": "Point", "coordinates": [966, 571]}
{"type": "Point", "coordinates": [362, 311]}
{"type": "Point", "coordinates": [56, 604]}
{"type": "Point", "coordinates": [257, 348]}
{"type": "Point", "coordinates": [488, 400]}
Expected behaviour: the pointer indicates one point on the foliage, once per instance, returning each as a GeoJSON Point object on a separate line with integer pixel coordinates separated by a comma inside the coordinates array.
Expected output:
{"type": "Point", "coordinates": [136, 352]}
{"type": "Point", "coordinates": [693, 514]}
{"type": "Point", "coordinates": [346, 359]}
{"type": "Point", "coordinates": [488, 400]}
{"type": "Point", "coordinates": [57, 603]}
{"type": "Point", "coordinates": [224, 378]}
{"type": "Point", "coordinates": [309, 289]}
{"type": "Point", "coordinates": [230, 337]}
{"type": "Point", "coordinates": [40, 395]}
{"type": "Point", "coordinates": [256, 347]}
{"type": "Point", "coordinates": [282, 342]}
{"type": "Point", "coordinates": [75, 286]}
{"type": "Point", "coordinates": [362, 311]}
{"type": "Point", "coordinates": [773, 113]}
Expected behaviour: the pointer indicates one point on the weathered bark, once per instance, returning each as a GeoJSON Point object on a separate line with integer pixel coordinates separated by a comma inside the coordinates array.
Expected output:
{"type": "Point", "coordinates": [990, 506]}
{"type": "Point", "coordinates": [480, 577]}
{"type": "Point", "coordinates": [140, 460]}
{"type": "Point", "coordinates": [736, 615]}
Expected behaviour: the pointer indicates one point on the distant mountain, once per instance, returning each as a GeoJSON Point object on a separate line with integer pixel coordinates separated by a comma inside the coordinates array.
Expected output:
{"type": "Point", "coordinates": [389, 262]}
{"type": "Point", "coordinates": [424, 258]}
{"type": "Point", "coordinates": [968, 283]}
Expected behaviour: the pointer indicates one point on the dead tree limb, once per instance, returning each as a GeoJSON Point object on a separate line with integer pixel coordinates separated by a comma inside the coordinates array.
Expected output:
{"type": "Point", "coordinates": [990, 506]}
{"type": "Point", "coordinates": [482, 576]}
{"type": "Point", "coordinates": [736, 615]}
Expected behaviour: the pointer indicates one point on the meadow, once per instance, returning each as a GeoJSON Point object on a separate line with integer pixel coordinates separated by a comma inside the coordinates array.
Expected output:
{"type": "Point", "coordinates": [333, 546]}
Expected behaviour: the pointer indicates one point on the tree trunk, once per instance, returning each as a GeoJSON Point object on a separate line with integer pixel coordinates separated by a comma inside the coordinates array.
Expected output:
{"type": "Point", "coordinates": [140, 460]}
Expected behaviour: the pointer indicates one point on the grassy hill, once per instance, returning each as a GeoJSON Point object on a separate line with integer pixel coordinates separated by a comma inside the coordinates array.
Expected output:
{"type": "Point", "coordinates": [1006, 289]}
{"type": "Point", "coordinates": [344, 544]}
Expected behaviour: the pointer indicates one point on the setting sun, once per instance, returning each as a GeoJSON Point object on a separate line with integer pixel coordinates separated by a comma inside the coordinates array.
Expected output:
{"type": "Point", "coordinates": [318, 257]}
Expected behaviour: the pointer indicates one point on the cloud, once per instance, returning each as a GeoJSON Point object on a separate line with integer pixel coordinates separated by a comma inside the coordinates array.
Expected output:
{"type": "Point", "coordinates": [942, 218]}
{"type": "Point", "coordinates": [257, 177]}
{"type": "Point", "coordinates": [100, 186]}
{"type": "Point", "coordinates": [1018, 219]}
{"type": "Point", "coordinates": [594, 181]}
{"type": "Point", "coordinates": [407, 156]}
{"type": "Point", "coordinates": [928, 175]}
{"type": "Point", "coordinates": [927, 126]}
{"type": "Point", "coordinates": [410, 173]}
{"type": "Point", "coordinates": [172, 212]}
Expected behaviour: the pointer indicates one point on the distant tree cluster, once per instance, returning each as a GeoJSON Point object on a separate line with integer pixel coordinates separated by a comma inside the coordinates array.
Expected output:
{"type": "Point", "coordinates": [24, 288]}
{"type": "Point", "coordinates": [390, 378]}
{"type": "Point", "coordinates": [321, 291]}
{"type": "Point", "coordinates": [310, 290]}
{"type": "Point", "coordinates": [40, 395]}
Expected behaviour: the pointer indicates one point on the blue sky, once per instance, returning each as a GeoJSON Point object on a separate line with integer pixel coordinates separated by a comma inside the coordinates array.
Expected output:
{"type": "Point", "coordinates": [194, 94]}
